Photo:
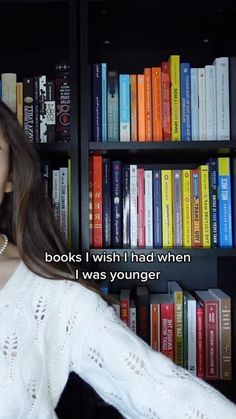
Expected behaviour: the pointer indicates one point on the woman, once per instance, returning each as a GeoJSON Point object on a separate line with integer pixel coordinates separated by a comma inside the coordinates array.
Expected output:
{"type": "Point", "coordinates": [52, 327]}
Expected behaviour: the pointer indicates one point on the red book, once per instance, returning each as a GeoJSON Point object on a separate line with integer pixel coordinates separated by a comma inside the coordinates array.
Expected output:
{"type": "Point", "coordinates": [148, 103]}
{"type": "Point", "coordinates": [141, 209]}
{"type": "Point", "coordinates": [142, 301]}
{"type": "Point", "coordinates": [167, 326]}
{"type": "Point", "coordinates": [166, 123]}
{"type": "Point", "coordinates": [125, 305]}
{"type": "Point", "coordinates": [211, 318]}
{"type": "Point", "coordinates": [200, 341]}
{"type": "Point", "coordinates": [97, 201]}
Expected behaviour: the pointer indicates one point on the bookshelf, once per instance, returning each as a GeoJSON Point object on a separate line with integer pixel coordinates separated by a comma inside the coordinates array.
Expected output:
{"type": "Point", "coordinates": [131, 35]}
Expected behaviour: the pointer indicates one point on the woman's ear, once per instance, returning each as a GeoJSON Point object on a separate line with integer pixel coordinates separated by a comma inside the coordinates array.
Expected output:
{"type": "Point", "coordinates": [9, 185]}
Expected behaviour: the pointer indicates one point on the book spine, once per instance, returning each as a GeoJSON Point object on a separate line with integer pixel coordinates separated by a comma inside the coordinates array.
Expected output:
{"type": "Point", "coordinates": [91, 201]}
{"type": "Point", "coordinates": [167, 217]}
{"type": "Point", "coordinates": [196, 208]}
{"type": "Point", "coordinates": [36, 110]}
{"type": "Point", "coordinates": [234, 200]}
{"type": "Point", "coordinates": [63, 102]}
{"type": "Point", "coordinates": [141, 107]}
{"type": "Point", "coordinates": [141, 208]}
{"type": "Point", "coordinates": [232, 91]}
{"type": "Point", "coordinates": [192, 354]}
{"type": "Point", "coordinates": [157, 223]}
{"type": "Point", "coordinates": [224, 202]}
{"type": "Point", "coordinates": [210, 102]}
{"type": "Point", "coordinates": [213, 173]}
{"type": "Point", "coordinates": [56, 195]}
{"type": "Point", "coordinates": [205, 198]}
{"type": "Point", "coordinates": [167, 330]}
{"type": "Point", "coordinates": [155, 326]}
{"type": "Point", "coordinates": [225, 339]}
{"type": "Point", "coordinates": [106, 205]}
{"type": "Point", "coordinates": [133, 110]}
{"type": "Point", "coordinates": [148, 209]}
{"type": "Point", "coordinates": [97, 201]}
{"type": "Point", "coordinates": [186, 207]}
{"type": "Point", "coordinates": [28, 94]}
{"type": "Point", "coordinates": [9, 90]}
{"type": "Point", "coordinates": [194, 104]}
{"type": "Point", "coordinates": [185, 319]}
{"type": "Point", "coordinates": [104, 101]}
{"type": "Point", "coordinates": [97, 102]}
{"type": "Point", "coordinates": [132, 318]}
{"type": "Point", "coordinates": [19, 103]}
{"type": "Point", "coordinates": [179, 335]}
{"type": "Point", "coordinates": [64, 201]}
{"type": "Point", "coordinates": [124, 100]}
{"type": "Point", "coordinates": [174, 61]}
{"type": "Point", "coordinates": [222, 98]}
{"type": "Point", "coordinates": [156, 104]}
{"type": "Point", "coordinates": [148, 103]}
{"type": "Point", "coordinates": [69, 203]}
{"type": "Point", "coordinates": [212, 340]}
{"type": "Point", "coordinates": [126, 206]}
{"type": "Point", "coordinates": [42, 109]}
{"type": "Point", "coordinates": [202, 103]}
{"type": "Point", "coordinates": [185, 102]}
{"type": "Point", "coordinates": [177, 208]}
{"type": "Point", "coordinates": [166, 113]}
{"type": "Point", "coordinates": [133, 206]}
{"type": "Point", "coordinates": [143, 313]}
{"type": "Point", "coordinates": [125, 306]}
{"type": "Point", "coordinates": [116, 205]}
{"type": "Point", "coordinates": [201, 350]}
{"type": "Point", "coordinates": [113, 106]}
{"type": "Point", "coordinates": [50, 111]}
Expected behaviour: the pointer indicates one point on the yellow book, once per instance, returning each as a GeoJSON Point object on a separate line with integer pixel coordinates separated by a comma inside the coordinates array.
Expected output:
{"type": "Point", "coordinates": [174, 62]}
{"type": "Point", "coordinates": [19, 102]}
{"type": "Point", "coordinates": [175, 289]}
{"type": "Point", "coordinates": [205, 201]}
{"type": "Point", "coordinates": [186, 207]}
{"type": "Point", "coordinates": [69, 205]}
{"type": "Point", "coordinates": [167, 204]}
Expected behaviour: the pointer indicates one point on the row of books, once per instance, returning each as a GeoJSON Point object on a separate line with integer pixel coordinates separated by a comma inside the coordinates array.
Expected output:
{"type": "Point", "coordinates": [57, 187]}
{"type": "Point", "coordinates": [42, 106]}
{"type": "Point", "coordinates": [171, 102]}
{"type": "Point", "coordinates": [133, 206]}
{"type": "Point", "coordinates": [191, 328]}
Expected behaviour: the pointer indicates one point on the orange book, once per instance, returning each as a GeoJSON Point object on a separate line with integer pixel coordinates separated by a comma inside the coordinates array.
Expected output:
{"type": "Point", "coordinates": [165, 87]}
{"type": "Point", "coordinates": [19, 102]}
{"type": "Point", "coordinates": [156, 104]}
{"type": "Point", "coordinates": [148, 103]}
{"type": "Point", "coordinates": [97, 201]}
{"type": "Point", "coordinates": [134, 116]}
{"type": "Point", "coordinates": [141, 107]}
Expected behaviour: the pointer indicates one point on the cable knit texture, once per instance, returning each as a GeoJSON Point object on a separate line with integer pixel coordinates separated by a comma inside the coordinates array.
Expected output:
{"type": "Point", "coordinates": [50, 328]}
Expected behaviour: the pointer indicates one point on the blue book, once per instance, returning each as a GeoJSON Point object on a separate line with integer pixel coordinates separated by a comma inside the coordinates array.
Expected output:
{"type": "Point", "coordinates": [106, 204]}
{"type": "Point", "coordinates": [157, 226]}
{"type": "Point", "coordinates": [234, 199]}
{"type": "Point", "coordinates": [116, 206]}
{"type": "Point", "coordinates": [112, 106]}
{"type": "Point", "coordinates": [97, 102]}
{"type": "Point", "coordinates": [124, 101]}
{"type": "Point", "coordinates": [126, 206]}
{"type": "Point", "coordinates": [104, 101]}
{"type": "Point", "coordinates": [224, 203]}
{"type": "Point", "coordinates": [185, 102]}
{"type": "Point", "coordinates": [213, 171]}
{"type": "Point", "coordinates": [194, 104]}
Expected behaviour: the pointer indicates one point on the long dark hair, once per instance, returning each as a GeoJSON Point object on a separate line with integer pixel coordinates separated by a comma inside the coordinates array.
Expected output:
{"type": "Point", "coordinates": [26, 215]}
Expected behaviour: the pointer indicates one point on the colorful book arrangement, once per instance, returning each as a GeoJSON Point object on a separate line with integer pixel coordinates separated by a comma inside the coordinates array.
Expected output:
{"type": "Point", "coordinates": [57, 186]}
{"type": "Point", "coordinates": [42, 106]}
{"type": "Point", "coordinates": [133, 206]}
{"type": "Point", "coordinates": [191, 328]}
{"type": "Point", "coordinates": [170, 102]}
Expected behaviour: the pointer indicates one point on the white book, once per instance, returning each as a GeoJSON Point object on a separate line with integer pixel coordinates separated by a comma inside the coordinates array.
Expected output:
{"type": "Point", "coordinates": [210, 74]}
{"type": "Point", "coordinates": [222, 98]}
{"type": "Point", "coordinates": [64, 201]}
{"type": "Point", "coordinates": [42, 109]}
{"type": "Point", "coordinates": [194, 104]}
{"type": "Point", "coordinates": [56, 194]}
{"type": "Point", "coordinates": [133, 206]}
{"type": "Point", "coordinates": [9, 90]}
{"type": "Point", "coordinates": [202, 103]}
{"type": "Point", "coordinates": [148, 208]}
{"type": "Point", "coordinates": [192, 333]}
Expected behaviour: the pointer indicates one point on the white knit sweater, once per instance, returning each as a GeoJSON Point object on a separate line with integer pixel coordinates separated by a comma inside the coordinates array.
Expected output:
{"type": "Point", "coordinates": [51, 327]}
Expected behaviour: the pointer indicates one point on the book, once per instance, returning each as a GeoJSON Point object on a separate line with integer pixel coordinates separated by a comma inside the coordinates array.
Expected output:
{"type": "Point", "coordinates": [186, 208]}
{"type": "Point", "coordinates": [224, 202]}
{"type": "Point", "coordinates": [133, 107]}
{"type": "Point", "coordinates": [148, 103]}
{"type": "Point", "coordinates": [177, 292]}
{"type": "Point", "coordinates": [157, 215]}
{"type": "Point", "coordinates": [9, 81]}
{"type": "Point", "coordinates": [210, 75]}
{"type": "Point", "coordinates": [205, 205]}
{"type": "Point", "coordinates": [106, 202]}
{"type": "Point", "coordinates": [155, 322]}
{"type": "Point", "coordinates": [202, 103]}
{"type": "Point", "coordinates": [143, 312]}
{"type": "Point", "coordinates": [194, 104]}
{"type": "Point", "coordinates": [141, 208]}
{"type": "Point", "coordinates": [166, 107]}
{"type": "Point", "coordinates": [141, 108]}
{"type": "Point", "coordinates": [196, 208]}
{"type": "Point", "coordinates": [185, 102]}
{"type": "Point", "coordinates": [133, 206]}
{"type": "Point", "coordinates": [148, 208]}
{"type": "Point", "coordinates": [174, 62]}
{"type": "Point", "coordinates": [116, 203]}
{"type": "Point", "coordinates": [166, 208]}
{"type": "Point", "coordinates": [124, 102]}
{"type": "Point", "coordinates": [222, 98]}
{"type": "Point", "coordinates": [156, 104]}
{"type": "Point", "coordinates": [97, 201]}
{"type": "Point", "coordinates": [28, 109]}
{"type": "Point", "coordinates": [113, 105]}
{"type": "Point", "coordinates": [177, 208]}
{"type": "Point", "coordinates": [126, 206]}
{"type": "Point", "coordinates": [63, 102]}
{"type": "Point", "coordinates": [125, 306]}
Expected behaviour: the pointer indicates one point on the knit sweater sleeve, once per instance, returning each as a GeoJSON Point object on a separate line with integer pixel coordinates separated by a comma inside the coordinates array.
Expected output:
{"type": "Point", "coordinates": [138, 381]}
